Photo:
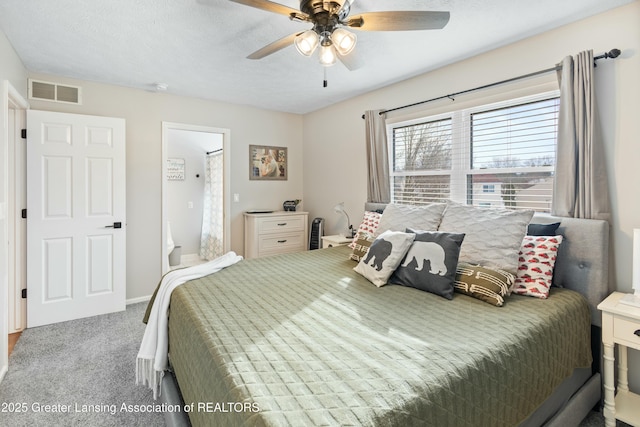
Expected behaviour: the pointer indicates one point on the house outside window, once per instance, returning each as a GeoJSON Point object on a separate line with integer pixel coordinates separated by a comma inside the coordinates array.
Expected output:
{"type": "Point", "coordinates": [497, 155]}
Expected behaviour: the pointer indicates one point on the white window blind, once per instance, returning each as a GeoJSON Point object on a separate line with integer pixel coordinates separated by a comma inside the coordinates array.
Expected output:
{"type": "Point", "coordinates": [499, 155]}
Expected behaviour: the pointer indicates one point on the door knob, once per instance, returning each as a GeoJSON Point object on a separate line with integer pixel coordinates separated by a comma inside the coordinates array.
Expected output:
{"type": "Point", "coordinates": [115, 225]}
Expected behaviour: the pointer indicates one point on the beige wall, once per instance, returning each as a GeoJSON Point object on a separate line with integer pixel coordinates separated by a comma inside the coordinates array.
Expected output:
{"type": "Point", "coordinates": [11, 67]}
{"type": "Point", "coordinates": [144, 113]}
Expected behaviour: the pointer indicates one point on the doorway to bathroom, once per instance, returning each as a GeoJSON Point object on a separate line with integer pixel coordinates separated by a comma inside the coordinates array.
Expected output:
{"type": "Point", "coordinates": [195, 194]}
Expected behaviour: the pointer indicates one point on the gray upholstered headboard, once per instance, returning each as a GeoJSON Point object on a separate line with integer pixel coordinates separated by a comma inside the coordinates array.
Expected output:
{"type": "Point", "coordinates": [583, 258]}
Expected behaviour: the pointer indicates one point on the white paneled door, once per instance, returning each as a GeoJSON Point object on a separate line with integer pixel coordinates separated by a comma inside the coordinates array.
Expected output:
{"type": "Point", "coordinates": [76, 225]}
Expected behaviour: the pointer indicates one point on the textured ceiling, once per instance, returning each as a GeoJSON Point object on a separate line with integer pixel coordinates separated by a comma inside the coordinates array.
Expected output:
{"type": "Point", "coordinates": [199, 47]}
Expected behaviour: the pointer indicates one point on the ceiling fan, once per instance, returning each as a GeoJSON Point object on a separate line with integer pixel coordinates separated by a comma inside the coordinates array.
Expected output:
{"type": "Point", "coordinates": [330, 20]}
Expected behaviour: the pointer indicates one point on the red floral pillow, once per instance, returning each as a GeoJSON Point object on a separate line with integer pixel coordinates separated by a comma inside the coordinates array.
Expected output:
{"type": "Point", "coordinates": [368, 226]}
{"type": "Point", "coordinates": [536, 261]}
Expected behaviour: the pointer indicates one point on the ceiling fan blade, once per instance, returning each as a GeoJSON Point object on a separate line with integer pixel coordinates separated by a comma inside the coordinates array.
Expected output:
{"type": "Point", "coordinates": [274, 47]}
{"type": "Point", "coordinates": [352, 61]}
{"type": "Point", "coordinates": [398, 21]}
{"type": "Point", "coordinates": [270, 6]}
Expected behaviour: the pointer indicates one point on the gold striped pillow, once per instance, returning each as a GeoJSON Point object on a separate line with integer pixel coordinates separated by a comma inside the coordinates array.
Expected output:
{"type": "Point", "coordinates": [487, 284]}
{"type": "Point", "coordinates": [361, 246]}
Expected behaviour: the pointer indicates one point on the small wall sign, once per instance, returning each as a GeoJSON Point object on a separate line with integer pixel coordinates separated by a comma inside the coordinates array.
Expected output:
{"type": "Point", "coordinates": [175, 169]}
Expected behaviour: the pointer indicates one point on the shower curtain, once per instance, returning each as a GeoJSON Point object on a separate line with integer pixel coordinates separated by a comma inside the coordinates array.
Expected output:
{"type": "Point", "coordinates": [211, 241]}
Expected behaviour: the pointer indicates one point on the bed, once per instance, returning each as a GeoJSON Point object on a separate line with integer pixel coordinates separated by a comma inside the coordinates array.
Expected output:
{"type": "Point", "coordinates": [303, 339]}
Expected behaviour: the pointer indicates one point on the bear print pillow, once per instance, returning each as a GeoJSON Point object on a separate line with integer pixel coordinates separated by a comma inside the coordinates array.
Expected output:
{"type": "Point", "coordinates": [430, 264]}
{"type": "Point", "coordinates": [385, 253]}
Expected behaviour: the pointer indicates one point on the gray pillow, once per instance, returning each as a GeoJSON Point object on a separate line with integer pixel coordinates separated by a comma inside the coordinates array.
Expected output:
{"type": "Point", "coordinates": [430, 264]}
{"type": "Point", "coordinates": [492, 236]}
{"type": "Point", "coordinates": [398, 217]}
{"type": "Point", "coordinates": [384, 256]}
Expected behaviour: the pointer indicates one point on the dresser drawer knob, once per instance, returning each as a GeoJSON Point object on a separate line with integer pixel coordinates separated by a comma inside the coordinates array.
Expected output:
{"type": "Point", "coordinates": [637, 332]}
{"type": "Point", "coordinates": [282, 224]}
{"type": "Point", "coordinates": [284, 241]}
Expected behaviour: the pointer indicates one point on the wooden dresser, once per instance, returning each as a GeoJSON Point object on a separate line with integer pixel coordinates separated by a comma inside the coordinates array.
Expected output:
{"type": "Point", "coordinates": [275, 233]}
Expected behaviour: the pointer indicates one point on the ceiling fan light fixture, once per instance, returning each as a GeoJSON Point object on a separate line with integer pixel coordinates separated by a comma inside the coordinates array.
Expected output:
{"type": "Point", "coordinates": [330, 20]}
{"type": "Point", "coordinates": [327, 55]}
{"type": "Point", "coordinates": [307, 42]}
{"type": "Point", "coordinates": [343, 40]}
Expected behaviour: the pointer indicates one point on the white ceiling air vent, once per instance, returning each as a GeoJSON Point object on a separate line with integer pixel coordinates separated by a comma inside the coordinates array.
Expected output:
{"type": "Point", "coordinates": [48, 91]}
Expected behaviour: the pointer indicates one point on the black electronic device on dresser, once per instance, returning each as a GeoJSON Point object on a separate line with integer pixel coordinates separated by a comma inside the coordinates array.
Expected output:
{"type": "Point", "coordinates": [290, 205]}
{"type": "Point", "coordinates": [316, 233]}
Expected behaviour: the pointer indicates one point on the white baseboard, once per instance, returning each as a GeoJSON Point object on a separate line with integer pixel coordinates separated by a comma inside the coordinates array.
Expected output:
{"type": "Point", "coordinates": [188, 260]}
{"type": "Point", "coordinates": [137, 300]}
{"type": "Point", "coordinates": [191, 259]}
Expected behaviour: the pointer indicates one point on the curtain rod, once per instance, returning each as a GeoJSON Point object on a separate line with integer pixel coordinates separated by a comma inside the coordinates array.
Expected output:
{"type": "Point", "coordinates": [214, 151]}
{"type": "Point", "coordinates": [613, 53]}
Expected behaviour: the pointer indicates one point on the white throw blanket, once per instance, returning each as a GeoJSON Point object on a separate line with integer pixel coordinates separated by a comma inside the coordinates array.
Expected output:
{"type": "Point", "coordinates": [152, 357]}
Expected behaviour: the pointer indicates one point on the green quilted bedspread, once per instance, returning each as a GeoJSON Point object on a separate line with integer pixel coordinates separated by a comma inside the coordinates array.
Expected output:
{"type": "Point", "coordinates": [302, 339]}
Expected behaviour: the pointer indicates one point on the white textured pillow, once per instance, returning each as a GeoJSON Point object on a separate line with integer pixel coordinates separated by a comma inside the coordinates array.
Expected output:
{"type": "Point", "coordinates": [384, 256]}
{"type": "Point", "coordinates": [400, 217]}
{"type": "Point", "coordinates": [492, 236]}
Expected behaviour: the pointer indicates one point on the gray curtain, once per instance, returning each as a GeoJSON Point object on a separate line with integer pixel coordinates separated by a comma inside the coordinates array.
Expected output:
{"type": "Point", "coordinates": [378, 189]}
{"type": "Point", "coordinates": [580, 185]}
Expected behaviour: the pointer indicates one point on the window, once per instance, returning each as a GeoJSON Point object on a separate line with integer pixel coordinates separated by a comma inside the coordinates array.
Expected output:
{"type": "Point", "coordinates": [500, 155]}
{"type": "Point", "coordinates": [488, 188]}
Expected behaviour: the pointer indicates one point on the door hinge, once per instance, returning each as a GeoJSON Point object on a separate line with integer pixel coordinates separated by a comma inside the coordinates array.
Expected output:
{"type": "Point", "coordinates": [24, 293]}
{"type": "Point", "coordinates": [24, 213]}
{"type": "Point", "coordinates": [24, 134]}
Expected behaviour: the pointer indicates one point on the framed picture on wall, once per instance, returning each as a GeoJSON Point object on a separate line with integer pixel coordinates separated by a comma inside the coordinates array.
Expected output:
{"type": "Point", "coordinates": [175, 169]}
{"type": "Point", "coordinates": [267, 163]}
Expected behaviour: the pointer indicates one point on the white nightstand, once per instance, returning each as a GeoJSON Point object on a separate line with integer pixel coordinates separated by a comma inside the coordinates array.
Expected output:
{"type": "Point", "coordinates": [335, 240]}
{"type": "Point", "coordinates": [621, 326]}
